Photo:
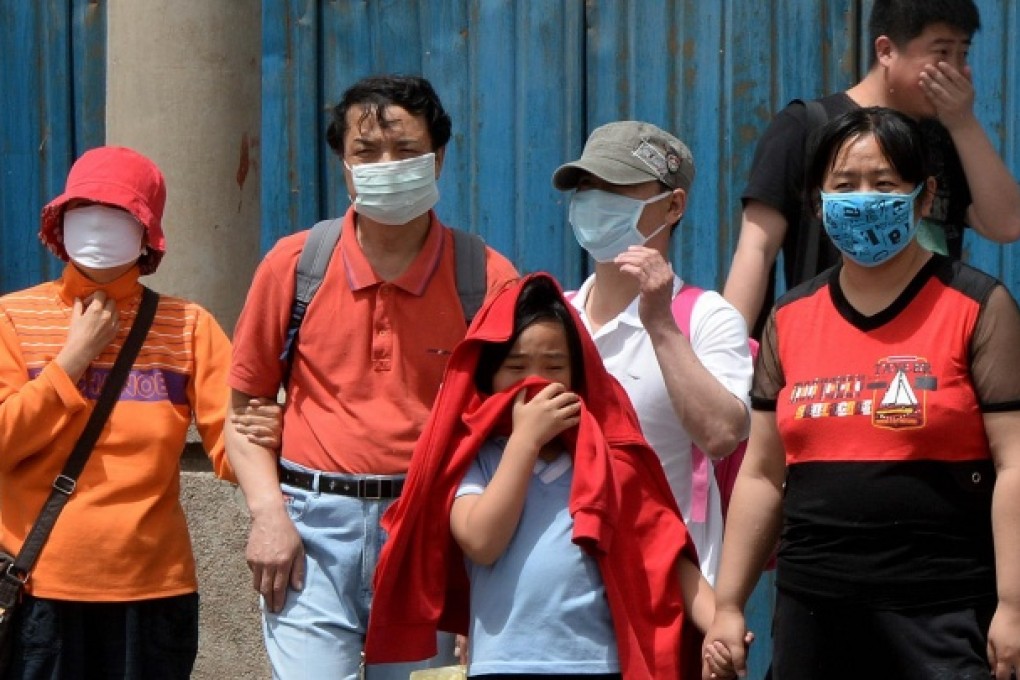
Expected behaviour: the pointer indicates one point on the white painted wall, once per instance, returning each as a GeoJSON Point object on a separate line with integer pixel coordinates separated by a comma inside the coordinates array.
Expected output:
{"type": "Point", "coordinates": [183, 87]}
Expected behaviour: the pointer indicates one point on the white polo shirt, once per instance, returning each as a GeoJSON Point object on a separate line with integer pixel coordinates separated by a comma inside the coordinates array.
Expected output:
{"type": "Point", "coordinates": [719, 339]}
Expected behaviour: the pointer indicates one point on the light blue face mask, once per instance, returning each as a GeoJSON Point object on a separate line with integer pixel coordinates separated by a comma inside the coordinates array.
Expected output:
{"type": "Point", "coordinates": [605, 224]}
{"type": "Point", "coordinates": [870, 227]}
{"type": "Point", "coordinates": [395, 192]}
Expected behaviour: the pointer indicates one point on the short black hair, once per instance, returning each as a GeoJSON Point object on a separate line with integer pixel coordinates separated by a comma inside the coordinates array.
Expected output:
{"type": "Point", "coordinates": [411, 93]}
{"type": "Point", "coordinates": [903, 20]}
{"type": "Point", "coordinates": [898, 136]}
{"type": "Point", "coordinates": [539, 300]}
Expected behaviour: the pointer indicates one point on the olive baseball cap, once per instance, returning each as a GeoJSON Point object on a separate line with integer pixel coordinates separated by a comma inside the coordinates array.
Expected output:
{"type": "Point", "coordinates": [630, 152]}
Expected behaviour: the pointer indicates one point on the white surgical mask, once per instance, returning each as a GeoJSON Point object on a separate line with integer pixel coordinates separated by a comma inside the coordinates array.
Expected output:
{"type": "Point", "coordinates": [395, 192]}
{"type": "Point", "coordinates": [605, 224]}
{"type": "Point", "coordinates": [101, 237]}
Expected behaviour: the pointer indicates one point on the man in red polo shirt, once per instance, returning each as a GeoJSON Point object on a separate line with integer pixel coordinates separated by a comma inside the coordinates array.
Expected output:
{"type": "Point", "coordinates": [366, 368]}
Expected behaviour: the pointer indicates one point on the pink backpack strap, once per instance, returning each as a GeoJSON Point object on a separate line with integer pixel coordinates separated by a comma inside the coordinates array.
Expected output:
{"type": "Point", "coordinates": [701, 466]}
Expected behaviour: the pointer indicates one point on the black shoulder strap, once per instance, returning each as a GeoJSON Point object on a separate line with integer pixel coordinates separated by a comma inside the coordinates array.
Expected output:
{"type": "Point", "coordinates": [469, 253]}
{"type": "Point", "coordinates": [63, 485]}
{"type": "Point", "coordinates": [817, 117]}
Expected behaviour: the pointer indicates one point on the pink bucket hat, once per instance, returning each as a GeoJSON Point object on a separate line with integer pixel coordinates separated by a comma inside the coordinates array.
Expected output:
{"type": "Point", "coordinates": [118, 177]}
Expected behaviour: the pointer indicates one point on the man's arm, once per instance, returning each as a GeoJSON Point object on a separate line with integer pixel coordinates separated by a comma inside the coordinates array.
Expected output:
{"type": "Point", "coordinates": [715, 419]}
{"type": "Point", "coordinates": [762, 229]}
{"type": "Point", "coordinates": [275, 553]}
{"type": "Point", "coordinates": [995, 196]}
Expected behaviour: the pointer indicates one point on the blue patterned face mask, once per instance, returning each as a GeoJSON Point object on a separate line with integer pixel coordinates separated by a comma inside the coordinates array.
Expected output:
{"type": "Point", "coordinates": [870, 227]}
{"type": "Point", "coordinates": [605, 224]}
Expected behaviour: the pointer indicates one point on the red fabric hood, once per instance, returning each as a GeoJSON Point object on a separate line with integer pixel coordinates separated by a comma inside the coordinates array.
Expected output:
{"type": "Point", "coordinates": [119, 177]}
{"type": "Point", "coordinates": [624, 514]}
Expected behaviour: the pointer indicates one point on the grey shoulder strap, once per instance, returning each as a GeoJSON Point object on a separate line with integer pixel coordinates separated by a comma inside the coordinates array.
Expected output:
{"type": "Point", "coordinates": [469, 254]}
{"type": "Point", "coordinates": [315, 258]}
{"type": "Point", "coordinates": [311, 268]}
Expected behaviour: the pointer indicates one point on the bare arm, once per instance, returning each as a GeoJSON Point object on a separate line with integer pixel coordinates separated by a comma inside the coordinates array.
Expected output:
{"type": "Point", "coordinates": [1003, 431]}
{"type": "Point", "coordinates": [274, 553]}
{"type": "Point", "coordinates": [752, 530]}
{"type": "Point", "coordinates": [715, 419]}
{"type": "Point", "coordinates": [699, 599]}
{"type": "Point", "coordinates": [762, 229]}
{"type": "Point", "coordinates": [33, 413]}
{"type": "Point", "coordinates": [995, 208]}
{"type": "Point", "coordinates": [483, 524]}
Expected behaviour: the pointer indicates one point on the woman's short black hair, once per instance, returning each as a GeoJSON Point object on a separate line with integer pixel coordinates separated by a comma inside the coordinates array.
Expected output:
{"type": "Point", "coordinates": [539, 300]}
{"type": "Point", "coordinates": [898, 136]}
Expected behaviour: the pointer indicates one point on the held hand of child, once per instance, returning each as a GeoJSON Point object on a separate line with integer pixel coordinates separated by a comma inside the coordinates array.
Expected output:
{"type": "Point", "coordinates": [725, 648]}
{"type": "Point", "coordinates": [261, 422]}
{"type": "Point", "coordinates": [551, 411]}
{"type": "Point", "coordinates": [718, 662]}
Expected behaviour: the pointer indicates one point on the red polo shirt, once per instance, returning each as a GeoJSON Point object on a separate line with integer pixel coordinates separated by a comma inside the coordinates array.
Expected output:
{"type": "Point", "coordinates": [371, 353]}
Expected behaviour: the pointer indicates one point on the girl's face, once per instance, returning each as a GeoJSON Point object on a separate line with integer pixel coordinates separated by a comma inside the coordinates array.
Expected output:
{"type": "Point", "coordinates": [542, 350]}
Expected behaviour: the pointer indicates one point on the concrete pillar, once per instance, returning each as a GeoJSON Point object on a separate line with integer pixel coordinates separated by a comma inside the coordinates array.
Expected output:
{"type": "Point", "coordinates": [184, 88]}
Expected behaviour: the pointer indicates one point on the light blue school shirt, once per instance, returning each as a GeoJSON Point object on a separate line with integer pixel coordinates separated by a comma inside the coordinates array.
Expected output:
{"type": "Point", "coordinates": [541, 607]}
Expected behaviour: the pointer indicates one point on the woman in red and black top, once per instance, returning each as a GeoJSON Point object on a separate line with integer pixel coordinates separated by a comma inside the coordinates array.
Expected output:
{"type": "Point", "coordinates": [885, 441]}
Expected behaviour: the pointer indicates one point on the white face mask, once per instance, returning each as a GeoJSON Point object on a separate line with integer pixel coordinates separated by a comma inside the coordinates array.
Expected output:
{"type": "Point", "coordinates": [395, 192]}
{"type": "Point", "coordinates": [605, 224]}
{"type": "Point", "coordinates": [101, 237]}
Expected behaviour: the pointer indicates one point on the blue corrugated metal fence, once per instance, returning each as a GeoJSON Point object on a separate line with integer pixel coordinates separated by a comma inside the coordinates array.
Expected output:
{"type": "Point", "coordinates": [53, 82]}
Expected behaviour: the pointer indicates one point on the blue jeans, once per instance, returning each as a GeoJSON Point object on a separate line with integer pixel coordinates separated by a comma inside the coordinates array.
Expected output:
{"type": "Point", "coordinates": [320, 631]}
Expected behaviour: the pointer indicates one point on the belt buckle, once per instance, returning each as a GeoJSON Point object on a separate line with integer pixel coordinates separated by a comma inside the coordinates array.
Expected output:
{"type": "Point", "coordinates": [368, 495]}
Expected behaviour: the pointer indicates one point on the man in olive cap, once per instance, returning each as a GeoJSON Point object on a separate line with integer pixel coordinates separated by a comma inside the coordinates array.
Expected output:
{"type": "Point", "coordinates": [630, 192]}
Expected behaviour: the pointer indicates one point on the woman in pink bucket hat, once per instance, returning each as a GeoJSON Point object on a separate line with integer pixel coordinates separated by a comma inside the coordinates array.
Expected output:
{"type": "Point", "coordinates": [114, 592]}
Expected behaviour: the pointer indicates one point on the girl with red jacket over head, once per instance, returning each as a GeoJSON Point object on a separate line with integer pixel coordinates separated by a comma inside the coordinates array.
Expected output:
{"type": "Point", "coordinates": [536, 517]}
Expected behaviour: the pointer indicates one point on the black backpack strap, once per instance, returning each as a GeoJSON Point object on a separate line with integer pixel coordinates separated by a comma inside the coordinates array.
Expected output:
{"type": "Point", "coordinates": [816, 118]}
{"type": "Point", "coordinates": [63, 485]}
{"type": "Point", "coordinates": [469, 254]}
{"type": "Point", "coordinates": [311, 268]}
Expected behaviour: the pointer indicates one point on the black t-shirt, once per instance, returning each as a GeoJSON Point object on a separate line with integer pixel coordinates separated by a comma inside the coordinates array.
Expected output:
{"type": "Point", "coordinates": [777, 179]}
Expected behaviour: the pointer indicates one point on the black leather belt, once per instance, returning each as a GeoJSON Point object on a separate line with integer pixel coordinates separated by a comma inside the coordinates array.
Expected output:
{"type": "Point", "coordinates": [362, 487]}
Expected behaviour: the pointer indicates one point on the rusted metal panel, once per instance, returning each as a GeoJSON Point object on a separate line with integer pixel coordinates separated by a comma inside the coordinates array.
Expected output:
{"type": "Point", "coordinates": [52, 75]}
{"type": "Point", "coordinates": [994, 64]}
{"type": "Point", "coordinates": [291, 118]}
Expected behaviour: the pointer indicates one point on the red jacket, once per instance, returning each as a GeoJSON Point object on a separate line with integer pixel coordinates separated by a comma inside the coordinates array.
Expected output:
{"type": "Point", "coordinates": [624, 515]}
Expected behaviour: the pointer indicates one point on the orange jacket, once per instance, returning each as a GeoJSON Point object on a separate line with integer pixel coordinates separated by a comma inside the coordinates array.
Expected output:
{"type": "Point", "coordinates": [123, 534]}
